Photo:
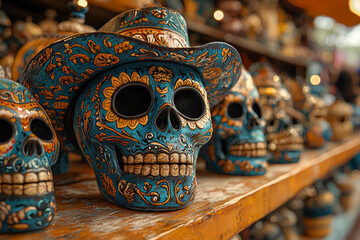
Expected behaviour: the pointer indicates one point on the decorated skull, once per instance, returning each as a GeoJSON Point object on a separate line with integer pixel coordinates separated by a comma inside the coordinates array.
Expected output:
{"type": "Point", "coordinates": [340, 118]}
{"type": "Point", "coordinates": [147, 129]}
{"type": "Point", "coordinates": [238, 145]}
{"type": "Point", "coordinates": [283, 131]}
{"type": "Point", "coordinates": [142, 111]}
{"type": "Point", "coordinates": [317, 130]}
{"type": "Point", "coordinates": [28, 147]}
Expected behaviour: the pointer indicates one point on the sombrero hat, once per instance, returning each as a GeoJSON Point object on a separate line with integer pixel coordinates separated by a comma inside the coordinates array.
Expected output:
{"type": "Point", "coordinates": [60, 71]}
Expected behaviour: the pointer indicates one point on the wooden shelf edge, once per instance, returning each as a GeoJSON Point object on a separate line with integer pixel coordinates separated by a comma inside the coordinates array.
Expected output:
{"type": "Point", "coordinates": [224, 205]}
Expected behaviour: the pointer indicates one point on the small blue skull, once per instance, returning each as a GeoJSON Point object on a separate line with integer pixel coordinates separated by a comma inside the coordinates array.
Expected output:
{"type": "Point", "coordinates": [28, 147]}
{"type": "Point", "coordinates": [238, 146]}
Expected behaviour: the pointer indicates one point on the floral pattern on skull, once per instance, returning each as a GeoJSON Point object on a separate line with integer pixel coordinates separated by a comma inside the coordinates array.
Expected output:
{"type": "Point", "coordinates": [142, 136]}
{"type": "Point", "coordinates": [28, 147]}
{"type": "Point", "coordinates": [238, 146]}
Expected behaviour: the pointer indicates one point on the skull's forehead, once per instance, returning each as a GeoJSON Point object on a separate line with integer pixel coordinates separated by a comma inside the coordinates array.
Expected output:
{"type": "Point", "coordinates": [162, 77]}
{"type": "Point", "coordinates": [339, 109]}
{"type": "Point", "coordinates": [11, 109]}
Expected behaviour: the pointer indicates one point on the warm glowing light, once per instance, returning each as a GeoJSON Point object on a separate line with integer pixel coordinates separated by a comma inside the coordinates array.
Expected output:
{"type": "Point", "coordinates": [268, 91]}
{"type": "Point", "coordinates": [82, 3]}
{"type": "Point", "coordinates": [354, 6]}
{"type": "Point", "coordinates": [315, 80]}
{"type": "Point", "coordinates": [276, 78]}
{"type": "Point", "coordinates": [218, 15]}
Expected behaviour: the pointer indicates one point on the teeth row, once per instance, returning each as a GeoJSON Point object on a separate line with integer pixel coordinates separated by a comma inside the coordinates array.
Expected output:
{"type": "Point", "coordinates": [151, 158]}
{"type": "Point", "coordinates": [29, 177]}
{"type": "Point", "coordinates": [289, 140]}
{"type": "Point", "coordinates": [248, 146]}
{"type": "Point", "coordinates": [249, 153]}
{"type": "Point", "coordinates": [291, 133]}
{"type": "Point", "coordinates": [286, 147]}
{"type": "Point", "coordinates": [159, 169]}
{"type": "Point", "coordinates": [27, 189]}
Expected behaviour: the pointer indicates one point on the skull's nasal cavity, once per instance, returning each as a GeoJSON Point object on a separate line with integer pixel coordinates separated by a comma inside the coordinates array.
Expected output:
{"type": "Point", "coordinates": [166, 117]}
{"type": "Point", "coordinates": [32, 147]}
{"type": "Point", "coordinates": [253, 123]}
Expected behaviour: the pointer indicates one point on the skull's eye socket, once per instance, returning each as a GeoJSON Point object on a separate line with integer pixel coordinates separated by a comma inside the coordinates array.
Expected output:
{"type": "Point", "coordinates": [235, 110]}
{"type": "Point", "coordinates": [272, 124]}
{"type": "Point", "coordinates": [189, 103]}
{"type": "Point", "coordinates": [7, 130]}
{"type": "Point", "coordinates": [41, 129]}
{"type": "Point", "coordinates": [295, 121]}
{"type": "Point", "coordinates": [257, 109]}
{"type": "Point", "coordinates": [133, 100]}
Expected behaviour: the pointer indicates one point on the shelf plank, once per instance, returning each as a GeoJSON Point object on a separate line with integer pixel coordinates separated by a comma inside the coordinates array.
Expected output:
{"type": "Point", "coordinates": [243, 43]}
{"type": "Point", "coordinates": [223, 206]}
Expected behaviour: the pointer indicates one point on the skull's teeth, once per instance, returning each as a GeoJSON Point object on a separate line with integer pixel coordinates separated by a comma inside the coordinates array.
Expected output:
{"type": "Point", "coordinates": [162, 164]}
{"type": "Point", "coordinates": [30, 183]}
{"type": "Point", "coordinates": [287, 144]}
{"type": "Point", "coordinates": [248, 149]}
{"type": "Point", "coordinates": [163, 170]}
{"type": "Point", "coordinates": [161, 158]}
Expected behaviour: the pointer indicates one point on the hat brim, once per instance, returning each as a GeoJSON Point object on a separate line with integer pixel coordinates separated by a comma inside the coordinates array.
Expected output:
{"type": "Point", "coordinates": [61, 70]}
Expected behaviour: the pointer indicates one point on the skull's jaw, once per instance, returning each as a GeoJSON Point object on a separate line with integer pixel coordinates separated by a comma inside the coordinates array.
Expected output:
{"type": "Point", "coordinates": [240, 159]}
{"type": "Point", "coordinates": [284, 156]}
{"type": "Point", "coordinates": [318, 134]}
{"type": "Point", "coordinates": [26, 213]}
{"type": "Point", "coordinates": [149, 193]}
{"type": "Point", "coordinates": [150, 181]}
{"type": "Point", "coordinates": [285, 146]}
{"type": "Point", "coordinates": [341, 130]}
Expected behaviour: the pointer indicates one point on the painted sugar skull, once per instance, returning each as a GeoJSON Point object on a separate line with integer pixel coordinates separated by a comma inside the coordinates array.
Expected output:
{"type": "Point", "coordinates": [28, 147]}
{"type": "Point", "coordinates": [317, 130]}
{"type": "Point", "coordinates": [148, 129]}
{"type": "Point", "coordinates": [283, 133]}
{"type": "Point", "coordinates": [238, 145]}
{"type": "Point", "coordinates": [340, 118]}
{"type": "Point", "coordinates": [142, 110]}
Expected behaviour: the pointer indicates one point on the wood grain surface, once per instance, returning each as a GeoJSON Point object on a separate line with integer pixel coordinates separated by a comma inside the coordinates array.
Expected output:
{"type": "Point", "coordinates": [223, 206]}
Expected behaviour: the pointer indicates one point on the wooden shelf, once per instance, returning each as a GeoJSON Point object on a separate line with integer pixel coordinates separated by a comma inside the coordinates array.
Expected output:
{"type": "Point", "coordinates": [244, 44]}
{"type": "Point", "coordinates": [223, 206]}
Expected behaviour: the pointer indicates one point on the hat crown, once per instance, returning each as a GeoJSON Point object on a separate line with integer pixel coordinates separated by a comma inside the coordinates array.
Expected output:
{"type": "Point", "coordinates": [160, 26]}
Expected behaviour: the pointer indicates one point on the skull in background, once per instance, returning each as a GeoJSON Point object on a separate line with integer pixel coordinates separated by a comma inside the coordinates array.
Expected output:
{"type": "Point", "coordinates": [317, 130]}
{"type": "Point", "coordinates": [340, 118]}
{"type": "Point", "coordinates": [238, 145]}
{"type": "Point", "coordinates": [144, 123]}
{"type": "Point", "coordinates": [283, 131]}
{"type": "Point", "coordinates": [28, 147]}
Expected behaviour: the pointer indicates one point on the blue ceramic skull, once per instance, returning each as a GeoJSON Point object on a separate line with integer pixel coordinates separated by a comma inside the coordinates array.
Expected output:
{"type": "Point", "coordinates": [28, 147]}
{"type": "Point", "coordinates": [142, 103]}
{"type": "Point", "coordinates": [137, 125]}
{"type": "Point", "coordinates": [317, 130]}
{"type": "Point", "coordinates": [238, 145]}
{"type": "Point", "coordinates": [283, 133]}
